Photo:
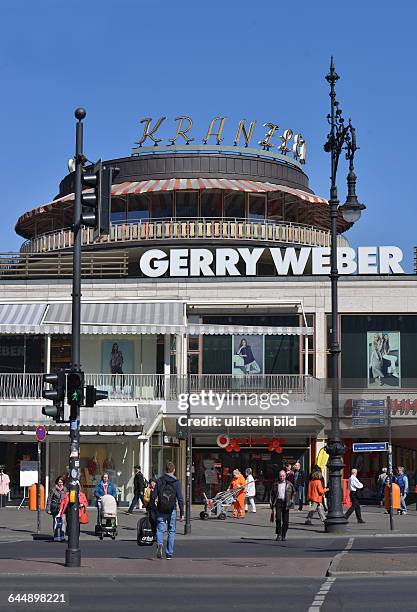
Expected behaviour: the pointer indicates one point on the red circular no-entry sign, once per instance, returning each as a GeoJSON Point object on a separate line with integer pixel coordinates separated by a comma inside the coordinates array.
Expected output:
{"type": "Point", "coordinates": [40, 433]}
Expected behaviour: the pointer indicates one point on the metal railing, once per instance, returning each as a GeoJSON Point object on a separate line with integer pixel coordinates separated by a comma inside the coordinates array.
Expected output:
{"type": "Point", "coordinates": [143, 387]}
{"type": "Point", "coordinates": [188, 229]}
{"type": "Point", "coordinates": [50, 265]}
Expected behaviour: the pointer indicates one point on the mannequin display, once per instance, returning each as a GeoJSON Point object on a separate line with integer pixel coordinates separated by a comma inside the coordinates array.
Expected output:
{"type": "Point", "coordinates": [4, 487]}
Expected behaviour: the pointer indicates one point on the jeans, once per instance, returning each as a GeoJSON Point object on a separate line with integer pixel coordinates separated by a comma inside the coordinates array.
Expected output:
{"type": "Point", "coordinates": [168, 521]}
{"type": "Point", "coordinates": [300, 496]}
{"type": "Point", "coordinates": [136, 497]}
{"type": "Point", "coordinates": [402, 502]}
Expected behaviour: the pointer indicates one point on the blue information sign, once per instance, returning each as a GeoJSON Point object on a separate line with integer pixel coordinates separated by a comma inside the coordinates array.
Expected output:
{"type": "Point", "coordinates": [368, 412]}
{"type": "Point", "coordinates": [370, 421]}
{"type": "Point", "coordinates": [369, 447]}
{"type": "Point", "coordinates": [368, 403]}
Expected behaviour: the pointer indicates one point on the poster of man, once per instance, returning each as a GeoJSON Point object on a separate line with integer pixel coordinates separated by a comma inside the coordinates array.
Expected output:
{"type": "Point", "coordinates": [248, 355]}
{"type": "Point", "coordinates": [384, 359]}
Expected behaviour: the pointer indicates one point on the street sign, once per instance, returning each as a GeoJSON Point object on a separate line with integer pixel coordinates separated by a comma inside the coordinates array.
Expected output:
{"type": "Point", "coordinates": [368, 412]}
{"type": "Point", "coordinates": [369, 447]}
{"type": "Point", "coordinates": [369, 421]}
{"type": "Point", "coordinates": [40, 433]}
{"type": "Point", "coordinates": [368, 403]}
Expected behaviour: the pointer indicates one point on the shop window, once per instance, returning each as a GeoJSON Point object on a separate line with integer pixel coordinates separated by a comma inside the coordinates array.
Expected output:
{"type": "Point", "coordinates": [291, 211]}
{"type": "Point", "coordinates": [186, 204]}
{"type": "Point", "coordinates": [138, 207]}
{"type": "Point", "coordinates": [217, 354]}
{"type": "Point", "coordinates": [282, 354]}
{"type": "Point", "coordinates": [118, 210]}
{"type": "Point", "coordinates": [275, 209]}
{"type": "Point", "coordinates": [60, 352]}
{"type": "Point", "coordinates": [211, 204]}
{"type": "Point", "coordinates": [257, 207]}
{"type": "Point", "coordinates": [234, 205]}
{"type": "Point", "coordinates": [162, 205]}
{"type": "Point", "coordinates": [21, 353]}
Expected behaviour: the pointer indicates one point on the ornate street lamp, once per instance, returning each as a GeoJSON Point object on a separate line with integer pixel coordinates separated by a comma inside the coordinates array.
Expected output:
{"type": "Point", "coordinates": [340, 138]}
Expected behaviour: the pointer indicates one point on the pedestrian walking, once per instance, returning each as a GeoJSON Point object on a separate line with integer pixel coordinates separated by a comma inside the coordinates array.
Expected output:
{"type": "Point", "coordinates": [282, 500]}
{"type": "Point", "coordinates": [381, 482]}
{"type": "Point", "coordinates": [104, 487]}
{"type": "Point", "coordinates": [53, 503]}
{"type": "Point", "coordinates": [299, 484]}
{"type": "Point", "coordinates": [290, 473]}
{"type": "Point", "coordinates": [82, 507]}
{"type": "Point", "coordinates": [250, 490]}
{"type": "Point", "coordinates": [316, 491]}
{"type": "Point", "coordinates": [150, 505]}
{"type": "Point", "coordinates": [168, 492]}
{"type": "Point", "coordinates": [139, 486]}
{"type": "Point", "coordinates": [354, 486]}
{"type": "Point", "coordinates": [402, 481]}
{"type": "Point", "coordinates": [238, 480]}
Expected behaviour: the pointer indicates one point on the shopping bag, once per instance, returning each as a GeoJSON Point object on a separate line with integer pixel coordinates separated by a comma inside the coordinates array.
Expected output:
{"type": "Point", "coordinates": [272, 517]}
{"type": "Point", "coordinates": [58, 530]}
{"type": "Point", "coordinates": [84, 518]}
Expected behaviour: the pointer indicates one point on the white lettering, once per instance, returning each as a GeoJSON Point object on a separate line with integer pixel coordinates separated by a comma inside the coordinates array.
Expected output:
{"type": "Point", "coordinates": [150, 263]}
{"type": "Point", "coordinates": [346, 260]}
{"type": "Point", "coordinates": [321, 260]}
{"type": "Point", "coordinates": [251, 258]}
{"type": "Point", "coordinates": [367, 260]}
{"type": "Point", "coordinates": [226, 260]}
{"type": "Point", "coordinates": [178, 265]}
{"type": "Point", "coordinates": [282, 264]}
{"type": "Point", "coordinates": [390, 258]}
{"type": "Point", "coordinates": [201, 259]}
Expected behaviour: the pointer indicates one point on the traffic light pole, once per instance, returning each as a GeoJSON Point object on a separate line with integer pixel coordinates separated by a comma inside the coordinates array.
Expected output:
{"type": "Point", "coordinates": [73, 552]}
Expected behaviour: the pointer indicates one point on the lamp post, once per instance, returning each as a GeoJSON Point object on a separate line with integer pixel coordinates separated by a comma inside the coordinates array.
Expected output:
{"type": "Point", "coordinates": [341, 137]}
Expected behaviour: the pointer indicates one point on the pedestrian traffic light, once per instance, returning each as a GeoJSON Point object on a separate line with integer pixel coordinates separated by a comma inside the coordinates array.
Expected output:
{"type": "Point", "coordinates": [56, 394]}
{"type": "Point", "coordinates": [93, 395]}
{"type": "Point", "coordinates": [96, 203]}
{"type": "Point", "coordinates": [75, 384]}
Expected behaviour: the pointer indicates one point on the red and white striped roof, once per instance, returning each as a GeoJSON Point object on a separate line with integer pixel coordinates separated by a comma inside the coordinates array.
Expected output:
{"type": "Point", "coordinates": [183, 184]}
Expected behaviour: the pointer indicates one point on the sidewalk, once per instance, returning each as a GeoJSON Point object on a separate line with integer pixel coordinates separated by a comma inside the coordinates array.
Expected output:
{"type": "Point", "coordinates": [20, 525]}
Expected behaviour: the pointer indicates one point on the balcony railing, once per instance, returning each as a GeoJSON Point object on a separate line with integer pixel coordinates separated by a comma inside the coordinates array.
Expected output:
{"type": "Point", "coordinates": [188, 229]}
{"type": "Point", "coordinates": [142, 387]}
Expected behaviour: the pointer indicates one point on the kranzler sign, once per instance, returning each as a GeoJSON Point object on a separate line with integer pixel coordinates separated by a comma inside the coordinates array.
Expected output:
{"type": "Point", "coordinates": [196, 262]}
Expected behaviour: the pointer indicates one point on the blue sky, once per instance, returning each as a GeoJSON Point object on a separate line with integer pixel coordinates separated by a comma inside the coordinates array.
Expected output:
{"type": "Point", "coordinates": [131, 59]}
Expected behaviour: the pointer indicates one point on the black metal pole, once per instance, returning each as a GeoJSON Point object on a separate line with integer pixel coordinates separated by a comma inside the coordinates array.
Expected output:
{"type": "Point", "coordinates": [38, 522]}
{"type": "Point", "coordinates": [73, 552]}
{"type": "Point", "coordinates": [187, 526]}
{"type": "Point", "coordinates": [390, 471]}
{"type": "Point", "coordinates": [335, 521]}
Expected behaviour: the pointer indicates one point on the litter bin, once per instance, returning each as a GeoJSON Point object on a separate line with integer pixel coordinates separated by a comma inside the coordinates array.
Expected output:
{"type": "Point", "coordinates": [33, 497]}
{"type": "Point", "coordinates": [396, 501]}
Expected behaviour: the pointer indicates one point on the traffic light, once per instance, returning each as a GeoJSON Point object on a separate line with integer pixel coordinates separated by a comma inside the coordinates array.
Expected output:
{"type": "Point", "coordinates": [56, 394]}
{"type": "Point", "coordinates": [96, 204]}
{"type": "Point", "coordinates": [93, 395]}
{"type": "Point", "coordinates": [75, 384]}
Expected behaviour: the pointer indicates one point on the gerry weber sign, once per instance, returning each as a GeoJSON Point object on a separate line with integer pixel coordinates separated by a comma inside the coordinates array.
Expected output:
{"type": "Point", "coordinates": [289, 143]}
{"type": "Point", "coordinates": [197, 262]}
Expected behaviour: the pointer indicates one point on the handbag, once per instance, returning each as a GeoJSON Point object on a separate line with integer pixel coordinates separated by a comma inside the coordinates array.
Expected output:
{"type": "Point", "coordinates": [272, 517]}
{"type": "Point", "coordinates": [84, 518]}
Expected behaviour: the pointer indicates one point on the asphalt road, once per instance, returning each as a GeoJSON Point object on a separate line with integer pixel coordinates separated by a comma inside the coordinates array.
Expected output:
{"type": "Point", "coordinates": [217, 594]}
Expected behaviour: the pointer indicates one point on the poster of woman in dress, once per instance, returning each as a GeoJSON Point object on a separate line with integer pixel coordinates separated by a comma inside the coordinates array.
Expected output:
{"type": "Point", "coordinates": [248, 355]}
{"type": "Point", "coordinates": [384, 359]}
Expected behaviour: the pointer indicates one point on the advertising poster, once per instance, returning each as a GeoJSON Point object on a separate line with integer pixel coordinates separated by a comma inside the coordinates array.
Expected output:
{"type": "Point", "coordinates": [117, 357]}
{"type": "Point", "coordinates": [384, 359]}
{"type": "Point", "coordinates": [248, 355]}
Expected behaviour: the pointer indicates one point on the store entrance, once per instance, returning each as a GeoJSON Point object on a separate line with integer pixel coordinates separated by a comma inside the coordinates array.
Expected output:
{"type": "Point", "coordinates": [213, 467]}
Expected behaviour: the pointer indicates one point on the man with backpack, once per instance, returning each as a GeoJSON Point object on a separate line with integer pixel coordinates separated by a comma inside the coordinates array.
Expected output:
{"type": "Point", "coordinates": [402, 481]}
{"type": "Point", "coordinates": [168, 493]}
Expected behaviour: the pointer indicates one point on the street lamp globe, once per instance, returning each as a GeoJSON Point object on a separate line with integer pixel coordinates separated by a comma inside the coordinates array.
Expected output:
{"type": "Point", "coordinates": [352, 212]}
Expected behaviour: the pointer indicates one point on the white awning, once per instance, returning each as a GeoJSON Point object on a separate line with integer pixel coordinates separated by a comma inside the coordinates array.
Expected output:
{"type": "Point", "coordinates": [21, 318]}
{"type": "Point", "coordinates": [247, 330]}
{"type": "Point", "coordinates": [118, 318]}
{"type": "Point", "coordinates": [103, 417]}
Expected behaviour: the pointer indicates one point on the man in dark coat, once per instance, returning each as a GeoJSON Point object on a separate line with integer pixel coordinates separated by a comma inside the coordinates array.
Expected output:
{"type": "Point", "coordinates": [282, 499]}
{"type": "Point", "coordinates": [139, 485]}
{"type": "Point", "coordinates": [299, 484]}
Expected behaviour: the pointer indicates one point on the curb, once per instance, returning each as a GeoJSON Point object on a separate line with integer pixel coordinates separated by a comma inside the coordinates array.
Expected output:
{"type": "Point", "coordinates": [373, 573]}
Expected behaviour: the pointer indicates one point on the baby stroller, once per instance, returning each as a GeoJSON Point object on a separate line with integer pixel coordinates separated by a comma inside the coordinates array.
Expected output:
{"type": "Point", "coordinates": [217, 506]}
{"type": "Point", "coordinates": [107, 517]}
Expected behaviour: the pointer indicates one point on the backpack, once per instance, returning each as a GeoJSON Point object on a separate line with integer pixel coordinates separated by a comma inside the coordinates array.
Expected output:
{"type": "Point", "coordinates": [167, 496]}
{"type": "Point", "coordinates": [145, 535]}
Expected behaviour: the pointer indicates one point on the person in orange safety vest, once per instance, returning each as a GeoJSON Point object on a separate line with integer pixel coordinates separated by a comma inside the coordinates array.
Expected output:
{"type": "Point", "coordinates": [239, 480]}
